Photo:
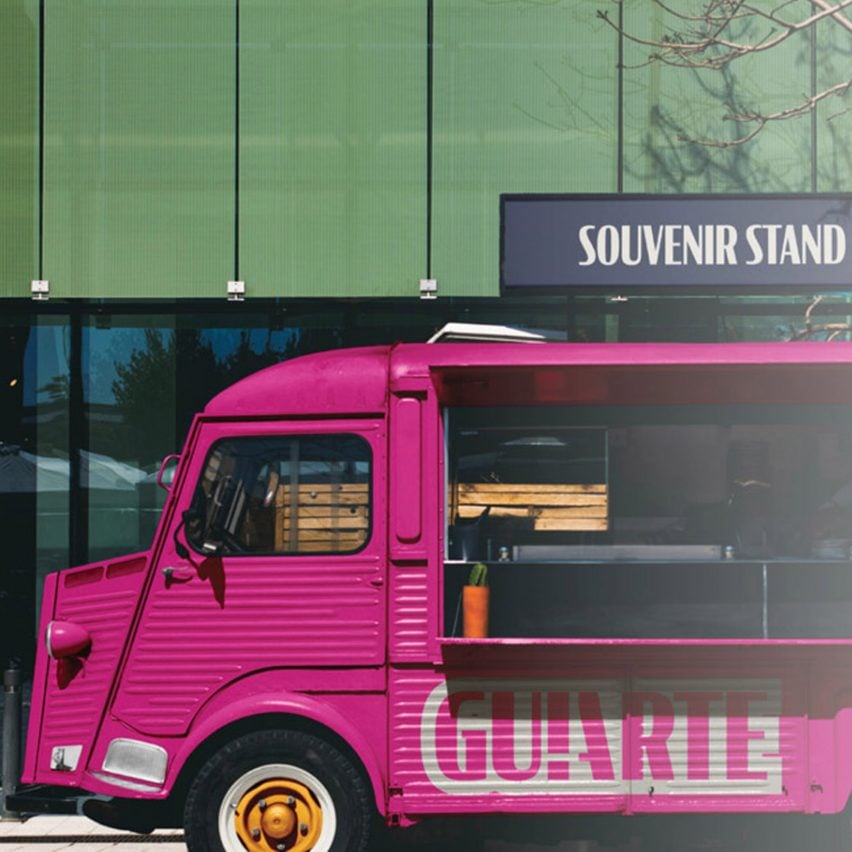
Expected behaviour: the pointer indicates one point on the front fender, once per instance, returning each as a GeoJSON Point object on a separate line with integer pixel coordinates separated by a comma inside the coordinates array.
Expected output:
{"type": "Point", "coordinates": [358, 718]}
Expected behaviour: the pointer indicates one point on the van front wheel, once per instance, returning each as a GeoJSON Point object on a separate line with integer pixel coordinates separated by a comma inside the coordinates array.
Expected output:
{"type": "Point", "coordinates": [277, 791]}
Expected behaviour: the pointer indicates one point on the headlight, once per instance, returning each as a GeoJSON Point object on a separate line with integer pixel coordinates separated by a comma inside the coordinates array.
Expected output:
{"type": "Point", "coordinates": [66, 639]}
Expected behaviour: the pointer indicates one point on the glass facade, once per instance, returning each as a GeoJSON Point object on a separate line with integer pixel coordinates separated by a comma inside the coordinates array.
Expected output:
{"type": "Point", "coordinates": [128, 378]}
{"type": "Point", "coordinates": [833, 122]}
{"type": "Point", "coordinates": [139, 148]}
{"type": "Point", "coordinates": [332, 148]}
{"type": "Point", "coordinates": [330, 155]}
{"type": "Point", "coordinates": [524, 101]}
{"type": "Point", "coordinates": [19, 165]}
{"type": "Point", "coordinates": [668, 109]}
{"type": "Point", "coordinates": [348, 150]}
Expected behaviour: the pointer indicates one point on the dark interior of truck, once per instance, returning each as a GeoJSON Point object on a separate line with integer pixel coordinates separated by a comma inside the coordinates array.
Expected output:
{"type": "Point", "coordinates": [653, 521]}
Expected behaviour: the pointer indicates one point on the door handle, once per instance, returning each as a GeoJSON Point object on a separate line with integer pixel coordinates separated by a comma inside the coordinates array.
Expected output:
{"type": "Point", "coordinates": [177, 575]}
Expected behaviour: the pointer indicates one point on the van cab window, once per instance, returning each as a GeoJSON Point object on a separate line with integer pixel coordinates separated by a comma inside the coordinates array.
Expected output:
{"type": "Point", "coordinates": [282, 495]}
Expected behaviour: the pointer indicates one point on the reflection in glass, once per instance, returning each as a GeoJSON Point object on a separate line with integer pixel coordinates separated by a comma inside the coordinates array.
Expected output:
{"type": "Point", "coordinates": [305, 494]}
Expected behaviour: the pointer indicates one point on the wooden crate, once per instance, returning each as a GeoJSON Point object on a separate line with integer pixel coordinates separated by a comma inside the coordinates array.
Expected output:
{"type": "Point", "coordinates": [321, 518]}
{"type": "Point", "coordinates": [554, 508]}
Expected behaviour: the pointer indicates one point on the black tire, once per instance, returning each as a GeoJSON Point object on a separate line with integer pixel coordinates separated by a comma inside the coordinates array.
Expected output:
{"type": "Point", "coordinates": [248, 782]}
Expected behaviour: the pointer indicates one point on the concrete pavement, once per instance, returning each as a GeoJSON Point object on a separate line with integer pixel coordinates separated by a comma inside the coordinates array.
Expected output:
{"type": "Point", "coordinates": [54, 833]}
{"type": "Point", "coordinates": [77, 833]}
{"type": "Point", "coordinates": [59, 833]}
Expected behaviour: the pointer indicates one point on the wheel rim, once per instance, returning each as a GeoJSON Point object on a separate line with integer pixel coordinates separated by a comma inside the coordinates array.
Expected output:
{"type": "Point", "coordinates": [277, 808]}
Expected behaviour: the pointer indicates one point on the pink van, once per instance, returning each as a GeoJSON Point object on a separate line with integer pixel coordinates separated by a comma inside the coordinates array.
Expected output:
{"type": "Point", "coordinates": [658, 538]}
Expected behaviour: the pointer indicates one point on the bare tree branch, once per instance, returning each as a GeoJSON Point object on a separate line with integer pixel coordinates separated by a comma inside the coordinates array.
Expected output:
{"type": "Point", "coordinates": [760, 121]}
{"type": "Point", "coordinates": [837, 15]}
{"type": "Point", "coordinates": [686, 47]}
{"type": "Point", "coordinates": [826, 330]}
{"type": "Point", "coordinates": [723, 32]}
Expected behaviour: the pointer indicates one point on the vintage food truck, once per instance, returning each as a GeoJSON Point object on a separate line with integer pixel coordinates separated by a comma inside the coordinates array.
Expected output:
{"type": "Point", "coordinates": [665, 535]}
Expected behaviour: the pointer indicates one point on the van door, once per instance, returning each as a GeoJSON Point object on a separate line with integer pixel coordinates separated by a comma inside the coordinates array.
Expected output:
{"type": "Point", "coordinates": [274, 559]}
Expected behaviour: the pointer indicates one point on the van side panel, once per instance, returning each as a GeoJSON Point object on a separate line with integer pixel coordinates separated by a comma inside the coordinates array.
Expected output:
{"type": "Point", "coordinates": [830, 736]}
{"type": "Point", "coordinates": [621, 729]}
{"type": "Point", "coordinates": [100, 598]}
{"type": "Point", "coordinates": [416, 463]}
{"type": "Point", "coordinates": [349, 702]}
{"type": "Point", "coordinates": [223, 618]}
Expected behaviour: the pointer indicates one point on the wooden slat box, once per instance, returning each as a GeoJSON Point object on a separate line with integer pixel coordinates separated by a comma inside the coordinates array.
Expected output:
{"type": "Point", "coordinates": [330, 518]}
{"type": "Point", "coordinates": [555, 508]}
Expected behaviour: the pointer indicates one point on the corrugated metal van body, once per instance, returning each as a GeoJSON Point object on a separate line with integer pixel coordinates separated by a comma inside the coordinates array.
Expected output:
{"type": "Point", "coordinates": [626, 728]}
{"type": "Point", "coordinates": [101, 599]}
{"type": "Point", "coordinates": [240, 614]}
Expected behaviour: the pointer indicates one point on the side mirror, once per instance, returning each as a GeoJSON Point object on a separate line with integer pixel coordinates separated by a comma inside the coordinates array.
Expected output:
{"type": "Point", "coordinates": [166, 476]}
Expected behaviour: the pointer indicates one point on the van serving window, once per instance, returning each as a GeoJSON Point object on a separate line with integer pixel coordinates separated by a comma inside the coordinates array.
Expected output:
{"type": "Point", "coordinates": [279, 495]}
{"type": "Point", "coordinates": [517, 477]}
{"type": "Point", "coordinates": [654, 521]}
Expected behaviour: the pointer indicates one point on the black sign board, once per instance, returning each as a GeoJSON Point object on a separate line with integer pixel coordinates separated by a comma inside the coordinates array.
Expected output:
{"type": "Point", "coordinates": [707, 242]}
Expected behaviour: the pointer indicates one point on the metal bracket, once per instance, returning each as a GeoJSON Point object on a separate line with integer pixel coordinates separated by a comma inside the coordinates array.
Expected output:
{"type": "Point", "coordinates": [236, 291]}
{"type": "Point", "coordinates": [428, 288]}
{"type": "Point", "coordinates": [40, 290]}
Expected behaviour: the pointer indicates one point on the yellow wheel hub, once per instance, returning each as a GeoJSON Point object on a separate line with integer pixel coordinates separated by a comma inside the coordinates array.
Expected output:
{"type": "Point", "coordinates": [278, 821]}
{"type": "Point", "coordinates": [278, 815]}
